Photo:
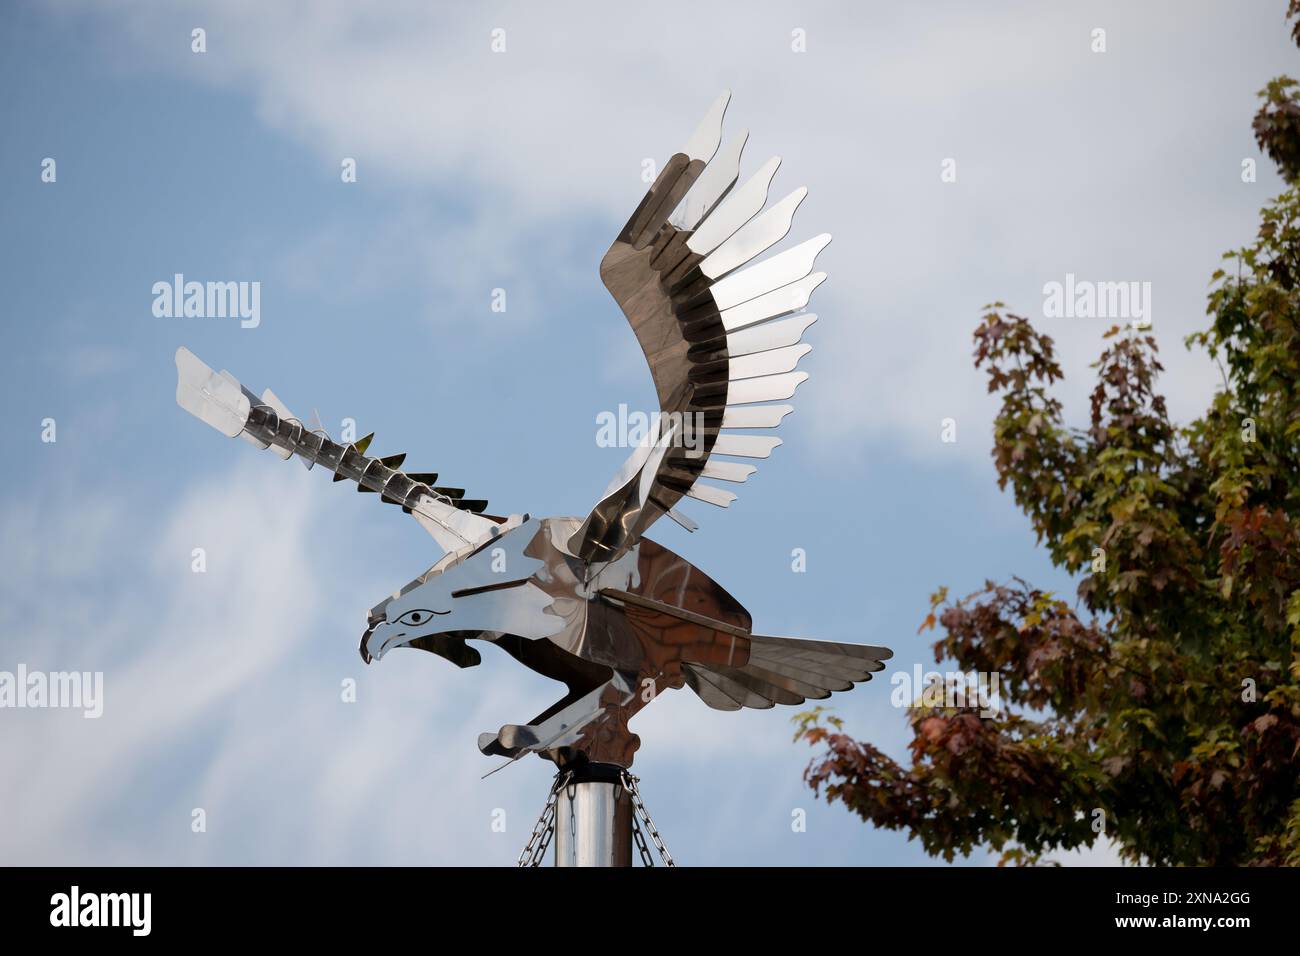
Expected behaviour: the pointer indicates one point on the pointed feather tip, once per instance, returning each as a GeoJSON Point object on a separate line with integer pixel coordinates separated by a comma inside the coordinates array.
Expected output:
{"type": "Point", "coordinates": [704, 142]}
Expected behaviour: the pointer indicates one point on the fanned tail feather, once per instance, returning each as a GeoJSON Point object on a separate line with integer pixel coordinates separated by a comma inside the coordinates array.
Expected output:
{"type": "Point", "coordinates": [783, 670]}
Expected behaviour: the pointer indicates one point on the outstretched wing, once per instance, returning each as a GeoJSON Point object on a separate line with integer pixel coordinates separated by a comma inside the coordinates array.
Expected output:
{"type": "Point", "coordinates": [220, 400]}
{"type": "Point", "coordinates": [722, 337]}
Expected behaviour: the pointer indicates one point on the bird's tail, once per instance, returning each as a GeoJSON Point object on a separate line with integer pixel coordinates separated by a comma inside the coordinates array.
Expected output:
{"type": "Point", "coordinates": [785, 670]}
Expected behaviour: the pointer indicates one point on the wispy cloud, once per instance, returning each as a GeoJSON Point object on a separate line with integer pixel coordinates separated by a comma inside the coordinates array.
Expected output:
{"type": "Point", "coordinates": [865, 117]}
{"type": "Point", "coordinates": [223, 692]}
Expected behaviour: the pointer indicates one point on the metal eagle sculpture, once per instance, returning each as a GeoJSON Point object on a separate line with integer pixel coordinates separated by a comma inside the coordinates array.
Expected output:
{"type": "Point", "coordinates": [591, 602]}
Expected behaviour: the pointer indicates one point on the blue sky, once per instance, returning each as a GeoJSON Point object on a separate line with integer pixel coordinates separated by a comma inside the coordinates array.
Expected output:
{"type": "Point", "coordinates": [479, 171]}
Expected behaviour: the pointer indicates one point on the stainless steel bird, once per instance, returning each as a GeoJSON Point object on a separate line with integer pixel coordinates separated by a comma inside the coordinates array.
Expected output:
{"type": "Point", "coordinates": [591, 601]}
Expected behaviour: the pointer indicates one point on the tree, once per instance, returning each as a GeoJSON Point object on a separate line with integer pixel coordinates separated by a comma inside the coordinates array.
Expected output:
{"type": "Point", "coordinates": [1162, 709]}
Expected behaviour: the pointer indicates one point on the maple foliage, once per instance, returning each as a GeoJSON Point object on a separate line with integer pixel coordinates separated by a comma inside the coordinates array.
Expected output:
{"type": "Point", "coordinates": [1165, 701]}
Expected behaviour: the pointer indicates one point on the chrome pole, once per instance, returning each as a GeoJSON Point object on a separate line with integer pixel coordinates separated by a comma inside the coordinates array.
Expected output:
{"type": "Point", "coordinates": [593, 818]}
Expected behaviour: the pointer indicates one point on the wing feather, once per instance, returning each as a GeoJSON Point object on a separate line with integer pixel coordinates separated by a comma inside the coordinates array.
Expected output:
{"type": "Point", "coordinates": [712, 321]}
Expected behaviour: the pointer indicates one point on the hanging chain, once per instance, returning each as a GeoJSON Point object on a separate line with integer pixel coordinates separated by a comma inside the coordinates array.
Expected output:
{"type": "Point", "coordinates": [642, 824]}
{"type": "Point", "coordinates": [639, 837]}
{"type": "Point", "coordinates": [535, 849]}
{"type": "Point", "coordinates": [540, 840]}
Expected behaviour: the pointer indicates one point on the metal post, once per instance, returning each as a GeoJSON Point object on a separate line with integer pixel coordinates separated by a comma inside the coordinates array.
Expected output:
{"type": "Point", "coordinates": [593, 818]}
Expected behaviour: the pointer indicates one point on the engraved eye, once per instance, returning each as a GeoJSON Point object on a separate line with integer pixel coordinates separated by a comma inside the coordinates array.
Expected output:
{"type": "Point", "coordinates": [418, 616]}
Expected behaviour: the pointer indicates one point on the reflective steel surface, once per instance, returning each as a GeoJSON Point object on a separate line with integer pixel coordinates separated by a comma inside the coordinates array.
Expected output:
{"type": "Point", "coordinates": [593, 824]}
{"type": "Point", "coordinates": [590, 601]}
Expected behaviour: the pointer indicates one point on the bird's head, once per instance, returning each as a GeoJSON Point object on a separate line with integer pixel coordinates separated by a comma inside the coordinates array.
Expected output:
{"type": "Point", "coordinates": [486, 588]}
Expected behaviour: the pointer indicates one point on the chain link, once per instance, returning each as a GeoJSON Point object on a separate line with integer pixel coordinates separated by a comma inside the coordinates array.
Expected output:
{"type": "Point", "coordinates": [535, 849]}
{"type": "Point", "coordinates": [642, 822]}
{"type": "Point", "coordinates": [539, 841]}
{"type": "Point", "coordinates": [639, 837]}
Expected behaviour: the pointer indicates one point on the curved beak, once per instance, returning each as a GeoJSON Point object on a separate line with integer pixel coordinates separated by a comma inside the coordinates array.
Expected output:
{"type": "Point", "coordinates": [378, 641]}
{"type": "Point", "coordinates": [379, 625]}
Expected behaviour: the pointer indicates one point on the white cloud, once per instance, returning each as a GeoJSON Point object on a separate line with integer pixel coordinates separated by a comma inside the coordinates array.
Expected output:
{"type": "Point", "coordinates": [222, 692]}
{"type": "Point", "coordinates": [175, 646]}
{"type": "Point", "coordinates": [235, 675]}
{"type": "Point", "coordinates": [1067, 160]}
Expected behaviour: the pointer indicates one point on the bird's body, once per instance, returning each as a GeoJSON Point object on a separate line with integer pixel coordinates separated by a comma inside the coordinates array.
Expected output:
{"type": "Point", "coordinates": [616, 635]}
{"type": "Point", "coordinates": [592, 602]}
